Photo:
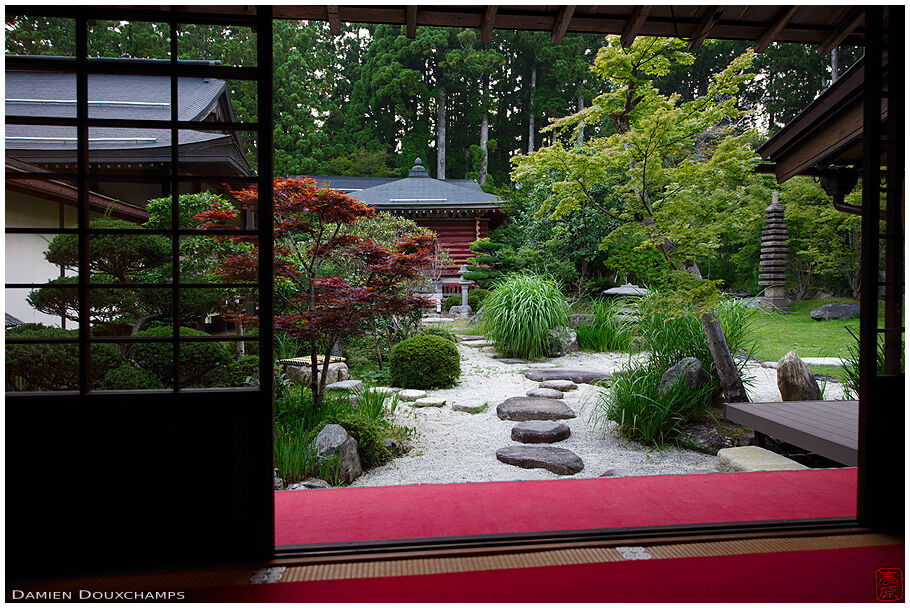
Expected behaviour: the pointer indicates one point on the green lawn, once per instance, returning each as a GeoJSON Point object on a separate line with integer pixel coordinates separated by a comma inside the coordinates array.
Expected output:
{"type": "Point", "coordinates": [777, 334]}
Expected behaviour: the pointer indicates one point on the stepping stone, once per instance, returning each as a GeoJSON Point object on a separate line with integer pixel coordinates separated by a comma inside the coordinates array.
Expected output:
{"type": "Point", "coordinates": [386, 391]}
{"type": "Point", "coordinates": [540, 431]}
{"type": "Point", "coordinates": [545, 393]}
{"type": "Point", "coordinates": [560, 385]}
{"type": "Point", "coordinates": [533, 408]}
{"type": "Point", "coordinates": [556, 460]}
{"type": "Point", "coordinates": [490, 350]}
{"type": "Point", "coordinates": [477, 343]}
{"type": "Point", "coordinates": [344, 385]}
{"type": "Point", "coordinates": [754, 458]}
{"type": "Point", "coordinates": [429, 402]}
{"type": "Point", "coordinates": [432, 320]}
{"type": "Point", "coordinates": [575, 375]}
{"type": "Point", "coordinates": [411, 395]}
{"type": "Point", "coordinates": [511, 361]}
{"type": "Point", "coordinates": [471, 406]}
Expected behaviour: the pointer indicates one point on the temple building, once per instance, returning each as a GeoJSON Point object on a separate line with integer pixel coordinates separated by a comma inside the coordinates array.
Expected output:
{"type": "Point", "coordinates": [458, 210]}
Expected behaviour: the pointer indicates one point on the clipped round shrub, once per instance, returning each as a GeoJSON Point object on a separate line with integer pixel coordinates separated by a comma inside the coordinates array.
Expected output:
{"type": "Point", "coordinates": [202, 364]}
{"type": "Point", "coordinates": [370, 434]}
{"type": "Point", "coordinates": [424, 361]}
{"type": "Point", "coordinates": [475, 299]}
{"type": "Point", "coordinates": [442, 332]}
{"type": "Point", "coordinates": [129, 378]}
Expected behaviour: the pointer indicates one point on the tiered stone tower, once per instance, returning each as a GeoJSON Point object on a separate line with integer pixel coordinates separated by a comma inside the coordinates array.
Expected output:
{"type": "Point", "coordinates": [773, 270]}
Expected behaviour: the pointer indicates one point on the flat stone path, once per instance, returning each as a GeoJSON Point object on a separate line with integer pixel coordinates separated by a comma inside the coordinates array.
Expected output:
{"type": "Point", "coordinates": [533, 408]}
{"type": "Point", "coordinates": [575, 375]}
{"type": "Point", "coordinates": [545, 393]}
{"type": "Point", "coordinates": [540, 431]}
{"type": "Point", "coordinates": [553, 459]}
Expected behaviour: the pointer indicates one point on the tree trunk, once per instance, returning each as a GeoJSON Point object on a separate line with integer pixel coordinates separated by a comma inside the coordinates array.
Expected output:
{"type": "Point", "coordinates": [484, 130]}
{"type": "Point", "coordinates": [441, 135]}
{"type": "Point", "coordinates": [834, 65]}
{"type": "Point", "coordinates": [531, 125]}
{"type": "Point", "coordinates": [581, 131]}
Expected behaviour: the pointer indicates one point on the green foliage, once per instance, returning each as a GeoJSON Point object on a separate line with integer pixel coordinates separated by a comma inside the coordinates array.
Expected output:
{"type": "Point", "coordinates": [611, 330]}
{"type": "Point", "coordinates": [520, 312]}
{"type": "Point", "coordinates": [53, 367]}
{"type": "Point", "coordinates": [475, 299]}
{"type": "Point", "coordinates": [424, 362]}
{"type": "Point", "coordinates": [202, 364]}
{"type": "Point", "coordinates": [129, 378]}
{"type": "Point", "coordinates": [442, 332]}
{"type": "Point", "coordinates": [645, 412]}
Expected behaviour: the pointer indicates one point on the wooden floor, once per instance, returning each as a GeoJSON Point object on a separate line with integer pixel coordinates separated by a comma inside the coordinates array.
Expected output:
{"type": "Point", "coordinates": [827, 428]}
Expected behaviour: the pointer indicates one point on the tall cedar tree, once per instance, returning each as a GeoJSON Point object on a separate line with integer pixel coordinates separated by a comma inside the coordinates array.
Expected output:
{"type": "Point", "coordinates": [683, 162]}
{"type": "Point", "coordinates": [310, 230]}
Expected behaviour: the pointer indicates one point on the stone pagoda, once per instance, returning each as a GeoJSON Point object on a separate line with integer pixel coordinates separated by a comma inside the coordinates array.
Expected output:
{"type": "Point", "coordinates": [773, 269]}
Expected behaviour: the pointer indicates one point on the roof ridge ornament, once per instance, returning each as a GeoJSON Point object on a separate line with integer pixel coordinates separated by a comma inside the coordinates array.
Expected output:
{"type": "Point", "coordinates": [418, 170]}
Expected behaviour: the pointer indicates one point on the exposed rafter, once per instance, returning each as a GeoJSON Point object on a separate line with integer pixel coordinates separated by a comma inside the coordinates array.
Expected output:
{"type": "Point", "coordinates": [633, 26]}
{"type": "Point", "coordinates": [783, 18]}
{"type": "Point", "coordinates": [486, 26]}
{"type": "Point", "coordinates": [411, 21]}
{"type": "Point", "coordinates": [844, 28]}
{"type": "Point", "coordinates": [562, 23]}
{"type": "Point", "coordinates": [331, 14]}
{"type": "Point", "coordinates": [709, 20]}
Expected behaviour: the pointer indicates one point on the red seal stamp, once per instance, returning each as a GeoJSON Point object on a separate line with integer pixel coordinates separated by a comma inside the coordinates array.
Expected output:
{"type": "Point", "coordinates": [889, 585]}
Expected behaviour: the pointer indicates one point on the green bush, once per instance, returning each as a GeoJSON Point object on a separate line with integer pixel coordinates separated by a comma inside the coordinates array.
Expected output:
{"type": "Point", "coordinates": [475, 299]}
{"type": "Point", "coordinates": [609, 332]}
{"type": "Point", "coordinates": [53, 367]}
{"type": "Point", "coordinates": [248, 367]}
{"type": "Point", "coordinates": [643, 411]}
{"type": "Point", "coordinates": [442, 332]}
{"type": "Point", "coordinates": [129, 378]}
{"type": "Point", "coordinates": [423, 362]}
{"type": "Point", "coordinates": [520, 312]}
{"type": "Point", "coordinates": [202, 364]}
{"type": "Point", "coordinates": [369, 432]}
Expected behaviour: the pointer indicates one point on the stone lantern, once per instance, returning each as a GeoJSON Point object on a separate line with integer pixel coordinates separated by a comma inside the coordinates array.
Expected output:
{"type": "Point", "coordinates": [775, 257]}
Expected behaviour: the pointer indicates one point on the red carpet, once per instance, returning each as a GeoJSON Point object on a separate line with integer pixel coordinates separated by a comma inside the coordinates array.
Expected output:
{"type": "Point", "coordinates": [348, 514]}
{"type": "Point", "coordinates": [840, 575]}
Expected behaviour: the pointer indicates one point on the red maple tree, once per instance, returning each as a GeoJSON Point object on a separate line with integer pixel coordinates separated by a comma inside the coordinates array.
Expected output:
{"type": "Point", "coordinates": [309, 233]}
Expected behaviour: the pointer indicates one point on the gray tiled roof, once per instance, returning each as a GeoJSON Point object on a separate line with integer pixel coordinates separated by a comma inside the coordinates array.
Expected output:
{"type": "Point", "coordinates": [348, 184]}
{"type": "Point", "coordinates": [138, 97]}
{"type": "Point", "coordinates": [424, 192]}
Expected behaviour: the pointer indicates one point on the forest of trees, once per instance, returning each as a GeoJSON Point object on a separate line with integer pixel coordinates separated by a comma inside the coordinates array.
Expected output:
{"type": "Point", "coordinates": [368, 102]}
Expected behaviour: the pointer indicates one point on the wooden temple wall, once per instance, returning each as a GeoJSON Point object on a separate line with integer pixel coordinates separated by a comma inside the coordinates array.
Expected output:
{"type": "Point", "coordinates": [456, 236]}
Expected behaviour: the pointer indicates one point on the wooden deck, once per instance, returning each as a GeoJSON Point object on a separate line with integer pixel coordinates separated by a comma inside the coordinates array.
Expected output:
{"type": "Point", "coordinates": [827, 428]}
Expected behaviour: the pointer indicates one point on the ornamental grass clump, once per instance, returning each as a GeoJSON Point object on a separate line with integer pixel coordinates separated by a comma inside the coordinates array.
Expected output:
{"type": "Point", "coordinates": [520, 312]}
{"type": "Point", "coordinates": [610, 331]}
{"type": "Point", "coordinates": [424, 361]}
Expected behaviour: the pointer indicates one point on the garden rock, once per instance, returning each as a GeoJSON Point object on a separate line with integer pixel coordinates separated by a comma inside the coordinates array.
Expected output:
{"type": "Point", "coordinates": [338, 372]}
{"type": "Point", "coordinates": [581, 376]}
{"type": "Point", "coordinates": [471, 406]}
{"type": "Point", "coordinates": [752, 458]}
{"type": "Point", "coordinates": [439, 320]}
{"type": "Point", "coordinates": [333, 443]}
{"type": "Point", "coordinates": [476, 343]}
{"type": "Point", "coordinates": [690, 371]}
{"type": "Point", "coordinates": [561, 342]}
{"type": "Point", "coordinates": [310, 484]}
{"type": "Point", "coordinates": [556, 460]}
{"type": "Point", "coordinates": [581, 319]}
{"type": "Point", "coordinates": [704, 438]}
{"type": "Point", "coordinates": [559, 385]}
{"type": "Point", "coordinates": [385, 391]}
{"type": "Point", "coordinates": [533, 408]}
{"type": "Point", "coordinates": [460, 312]}
{"type": "Point", "coordinates": [835, 311]}
{"type": "Point", "coordinates": [395, 447]}
{"type": "Point", "coordinates": [429, 402]}
{"type": "Point", "coordinates": [512, 361]}
{"type": "Point", "coordinates": [545, 393]}
{"type": "Point", "coordinates": [411, 394]}
{"type": "Point", "coordinates": [344, 385]}
{"type": "Point", "coordinates": [540, 431]}
{"type": "Point", "coordinates": [278, 481]}
{"type": "Point", "coordinates": [795, 381]}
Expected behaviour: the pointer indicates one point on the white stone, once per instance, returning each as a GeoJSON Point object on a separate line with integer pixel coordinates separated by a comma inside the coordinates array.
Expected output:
{"type": "Point", "coordinates": [429, 402]}
{"type": "Point", "coordinates": [344, 385]}
{"type": "Point", "coordinates": [411, 395]}
{"type": "Point", "coordinates": [559, 385]}
{"type": "Point", "coordinates": [754, 458]}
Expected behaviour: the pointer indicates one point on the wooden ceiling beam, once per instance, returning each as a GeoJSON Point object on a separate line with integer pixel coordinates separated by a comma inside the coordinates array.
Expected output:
{"type": "Point", "coordinates": [331, 15]}
{"type": "Point", "coordinates": [710, 19]}
{"type": "Point", "coordinates": [486, 26]}
{"type": "Point", "coordinates": [633, 27]}
{"type": "Point", "coordinates": [843, 29]}
{"type": "Point", "coordinates": [783, 18]}
{"type": "Point", "coordinates": [562, 23]}
{"type": "Point", "coordinates": [411, 21]}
